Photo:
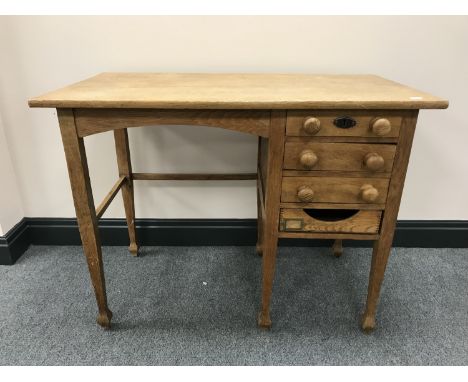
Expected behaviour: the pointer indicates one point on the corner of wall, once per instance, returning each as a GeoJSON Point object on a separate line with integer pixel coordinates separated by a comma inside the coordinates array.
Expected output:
{"type": "Point", "coordinates": [11, 207]}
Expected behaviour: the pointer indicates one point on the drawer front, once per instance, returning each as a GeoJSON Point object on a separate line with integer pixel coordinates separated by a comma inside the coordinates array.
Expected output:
{"type": "Point", "coordinates": [346, 123]}
{"type": "Point", "coordinates": [318, 189]}
{"type": "Point", "coordinates": [316, 156]}
{"type": "Point", "coordinates": [330, 221]}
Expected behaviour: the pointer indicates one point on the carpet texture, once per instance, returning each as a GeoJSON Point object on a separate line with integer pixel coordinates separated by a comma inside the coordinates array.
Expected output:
{"type": "Point", "coordinates": [197, 306]}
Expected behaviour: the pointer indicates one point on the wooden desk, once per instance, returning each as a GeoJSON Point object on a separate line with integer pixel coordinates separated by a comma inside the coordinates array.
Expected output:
{"type": "Point", "coordinates": [333, 154]}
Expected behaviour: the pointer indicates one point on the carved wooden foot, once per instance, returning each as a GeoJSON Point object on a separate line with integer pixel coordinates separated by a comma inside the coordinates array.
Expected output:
{"type": "Point", "coordinates": [259, 250]}
{"type": "Point", "coordinates": [104, 319]}
{"type": "Point", "coordinates": [133, 248]}
{"type": "Point", "coordinates": [264, 321]}
{"type": "Point", "coordinates": [337, 248]}
{"type": "Point", "coordinates": [368, 323]}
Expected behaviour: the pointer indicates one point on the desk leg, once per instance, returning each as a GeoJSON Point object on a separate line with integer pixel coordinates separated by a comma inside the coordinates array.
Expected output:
{"type": "Point", "coordinates": [259, 245]}
{"type": "Point", "coordinates": [382, 247]}
{"type": "Point", "coordinates": [125, 168]}
{"type": "Point", "coordinates": [272, 210]}
{"type": "Point", "coordinates": [337, 247]}
{"type": "Point", "coordinates": [85, 211]}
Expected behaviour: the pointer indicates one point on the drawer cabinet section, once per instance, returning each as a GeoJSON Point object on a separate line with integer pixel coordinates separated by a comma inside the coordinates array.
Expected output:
{"type": "Point", "coordinates": [319, 189]}
{"type": "Point", "coordinates": [330, 221]}
{"type": "Point", "coordinates": [315, 156]}
{"type": "Point", "coordinates": [347, 123]}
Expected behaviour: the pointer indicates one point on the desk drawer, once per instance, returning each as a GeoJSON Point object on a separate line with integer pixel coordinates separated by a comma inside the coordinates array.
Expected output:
{"type": "Point", "coordinates": [319, 156]}
{"type": "Point", "coordinates": [345, 123]}
{"type": "Point", "coordinates": [330, 221]}
{"type": "Point", "coordinates": [319, 189]}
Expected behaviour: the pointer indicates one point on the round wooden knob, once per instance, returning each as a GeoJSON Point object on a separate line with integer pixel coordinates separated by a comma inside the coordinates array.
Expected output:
{"type": "Point", "coordinates": [373, 161]}
{"type": "Point", "coordinates": [380, 126]}
{"type": "Point", "coordinates": [311, 125]}
{"type": "Point", "coordinates": [369, 193]}
{"type": "Point", "coordinates": [305, 194]}
{"type": "Point", "coordinates": [308, 158]}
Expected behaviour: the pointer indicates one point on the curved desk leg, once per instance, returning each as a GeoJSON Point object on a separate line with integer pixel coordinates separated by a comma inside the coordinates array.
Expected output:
{"type": "Point", "coordinates": [85, 211]}
{"type": "Point", "coordinates": [125, 168]}
{"type": "Point", "coordinates": [383, 245]}
{"type": "Point", "coordinates": [272, 210]}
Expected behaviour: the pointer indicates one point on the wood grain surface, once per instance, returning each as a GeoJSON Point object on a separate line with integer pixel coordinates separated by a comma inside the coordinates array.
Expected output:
{"type": "Point", "coordinates": [237, 91]}
{"type": "Point", "coordinates": [338, 156]}
{"type": "Point", "coordinates": [122, 151]}
{"type": "Point", "coordinates": [192, 176]}
{"type": "Point", "coordinates": [366, 221]}
{"type": "Point", "coordinates": [272, 200]}
{"type": "Point", "coordinates": [382, 247]}
{"type": "Point", "coordinates": [352, 163]}
{"type": "Point", "coordinates": [93, 121]}
{"type": "Point", "coordinates": [75, 154]}
{"type": "Point", "coordinates": [333, 190]}
{"type": "Point", "coordinates": [296, 124]}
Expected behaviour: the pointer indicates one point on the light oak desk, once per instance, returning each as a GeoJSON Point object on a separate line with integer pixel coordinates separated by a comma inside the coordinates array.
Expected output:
{"type": "Point", "coordinates": [332, 159]}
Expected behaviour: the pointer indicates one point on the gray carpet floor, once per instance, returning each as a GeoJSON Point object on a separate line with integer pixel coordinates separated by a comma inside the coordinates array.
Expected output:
{"type": "Point", "coordinates": [197, 306]}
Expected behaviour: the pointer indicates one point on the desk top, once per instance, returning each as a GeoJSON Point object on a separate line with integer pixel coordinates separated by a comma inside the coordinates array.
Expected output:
{"type": "Point", "coordinates": [237, 91]}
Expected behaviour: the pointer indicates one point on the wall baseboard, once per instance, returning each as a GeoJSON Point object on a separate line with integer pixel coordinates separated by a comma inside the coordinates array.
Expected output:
{"type": "Point", "coordinates": [14, 243]}
{"type": "Point", "coordinates": [173, 232]}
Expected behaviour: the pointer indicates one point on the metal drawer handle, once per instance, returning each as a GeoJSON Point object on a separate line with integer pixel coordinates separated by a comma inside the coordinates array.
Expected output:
{"type": "Point", "coordinates": [344, 122]}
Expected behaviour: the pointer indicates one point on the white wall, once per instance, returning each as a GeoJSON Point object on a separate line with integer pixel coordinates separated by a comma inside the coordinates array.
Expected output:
{"type": "Point", "coordinates": [39, 54]}
{"type": "Point", "coordinates": [11, 210]}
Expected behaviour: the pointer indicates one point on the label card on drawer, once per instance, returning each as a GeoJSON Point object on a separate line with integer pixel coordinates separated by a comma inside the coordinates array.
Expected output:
{"type": "Point", "coordinates": [292, 224]}
{"type": "Point", "coordinates": [366, 222]}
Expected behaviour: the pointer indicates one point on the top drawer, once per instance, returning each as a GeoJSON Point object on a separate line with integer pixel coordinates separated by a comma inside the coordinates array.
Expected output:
{"type": "Point", "coordinates": [344, 123]}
